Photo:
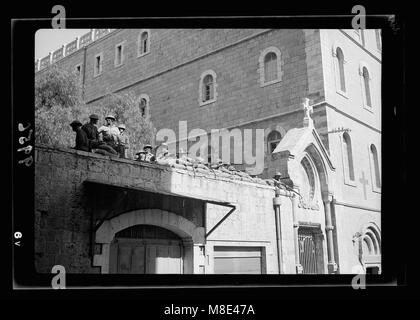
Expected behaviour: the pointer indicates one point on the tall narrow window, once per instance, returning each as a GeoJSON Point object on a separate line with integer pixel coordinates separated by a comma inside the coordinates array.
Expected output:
{"type": "Point", "coordinates": [348, 157]}
{"type": "Point", "coordinates": [273, 140]}
{"type": "Point", "coordinates": [118, 55]}
{"type": "Point", "coordinates": [98, 65]}
{"type": "Point", "coordinates": [79, 72]}
{"type": "Point", "coordinates": [340, 58]}
{"type": "Point", "coordinates": [143, 43]}
{"type": "Point", "coordinates": [375, 164]}
{"type": "Point", "coordinates": [143, 106]}
{"type": "Point", "coordinates": [366, 86]}
{"type": "Point", "coordinates": [208, 88]}
{"type": "Point", "coordinates": [378, 39]}
{"type": "Point", "coordinates": [270, 67]}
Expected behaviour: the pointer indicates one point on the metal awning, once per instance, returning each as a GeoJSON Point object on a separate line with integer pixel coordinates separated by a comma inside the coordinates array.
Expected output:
{"type": "Point", "coordinates": [167, 193]}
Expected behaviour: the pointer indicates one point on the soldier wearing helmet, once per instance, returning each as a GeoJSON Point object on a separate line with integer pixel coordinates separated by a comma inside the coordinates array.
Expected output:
{"type": "Point", "coordinates": [91, 130]}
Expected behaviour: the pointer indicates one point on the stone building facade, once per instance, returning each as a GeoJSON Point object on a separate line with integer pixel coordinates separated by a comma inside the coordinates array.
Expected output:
{"type": "Point", "coordinates": [258, 78]}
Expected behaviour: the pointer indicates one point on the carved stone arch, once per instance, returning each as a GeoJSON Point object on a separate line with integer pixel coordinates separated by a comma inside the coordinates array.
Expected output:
{"type": "Point", "coordinates": [371, 235]}
{"type": "Point", "coordinates": [320, 168]}
{"type": "Point", "coordinates": [374, 228]}
{"type": "Point", "coordinates": [185, 229]}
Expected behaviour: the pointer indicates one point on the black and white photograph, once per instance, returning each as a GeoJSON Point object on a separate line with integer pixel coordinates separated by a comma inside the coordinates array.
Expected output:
{"type": "Point", "coordinates": [247, 152]}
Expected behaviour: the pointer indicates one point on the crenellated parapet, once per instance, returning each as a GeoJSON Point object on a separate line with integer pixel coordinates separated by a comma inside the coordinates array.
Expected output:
{"type": "Point", "coordinates": [71, 47]}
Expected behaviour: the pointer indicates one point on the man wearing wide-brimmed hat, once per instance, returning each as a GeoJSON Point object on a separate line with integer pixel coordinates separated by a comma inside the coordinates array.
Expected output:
{"type": "Point", "coordinates": [91, 130]}
{"type": "Point", "coordinates": [149, 157]}
{"type": "Point", "coordinates": [82, 142]}
{"type": "Point", "coordinates": [108, 134]}
{"type": "Point", "coordinates": [123, 141]}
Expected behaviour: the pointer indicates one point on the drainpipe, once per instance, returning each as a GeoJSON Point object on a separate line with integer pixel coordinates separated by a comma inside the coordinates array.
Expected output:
{"type": "Point", "coordinates": [276, 204]}
{"type": "Point", "coordinates": [327, 198]}
{"type": "Point", "coordinates": [299, 268]}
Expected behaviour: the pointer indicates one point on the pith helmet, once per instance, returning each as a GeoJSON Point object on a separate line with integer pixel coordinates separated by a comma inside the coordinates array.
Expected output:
{"type": "Point", "coordinates": [140, 152]}
{"type": "Point", "coordinates": [277, 175]}
{"type": "Point", "coordinates": [121, 126]}
{"type": "Point", "coordinates": [110, 116]}
{"type": "Point", "coordinates": [148, 146]}
{"type": "Point", "coordinates": [94, 116]}
{"type": "Point", "coordinates": [76, 123]}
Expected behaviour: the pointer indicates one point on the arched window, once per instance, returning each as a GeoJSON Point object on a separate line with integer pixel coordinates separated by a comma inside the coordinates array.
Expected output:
{"type": "Point", "coordinates": [348, 157]}
{"type": "Point", "coordinates": [340, 60]}
{"type": "Point", "coordinates": [366, 86]}
{"type": "Point", "coordinates": [273, 140]}
{"type": "Point", "coordinates": [270, 66]}
{"type": "Point", "coordinates": [339, 65]}
{"type": "Point", "coordinates": [143, 105]}
{"type": "Point", "coordinates": [375, 164]}
{"type": "Point", "coordinates": [207, 87]}
{"type": "Point", "coordinates": [143, 43]}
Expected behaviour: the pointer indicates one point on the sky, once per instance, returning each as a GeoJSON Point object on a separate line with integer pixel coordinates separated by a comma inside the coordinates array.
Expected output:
{"type": "Point", "coordinates": [47, 40]}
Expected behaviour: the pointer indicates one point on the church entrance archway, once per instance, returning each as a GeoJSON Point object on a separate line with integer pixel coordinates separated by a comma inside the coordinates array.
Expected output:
{"type": "Point", "coordinates": [146, 249]}
{"type": "Point", "coordinates": [311, 255]}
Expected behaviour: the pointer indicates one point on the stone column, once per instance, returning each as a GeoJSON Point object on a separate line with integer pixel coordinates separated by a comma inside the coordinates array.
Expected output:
{"type": "Point", "coordinates": [327, 198]}
{"type": "Point", "coordinates": [299, 268]}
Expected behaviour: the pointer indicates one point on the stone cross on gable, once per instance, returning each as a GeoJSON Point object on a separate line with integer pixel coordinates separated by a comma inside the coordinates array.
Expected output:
{"type": "Point", "coordinates": [307, 110]}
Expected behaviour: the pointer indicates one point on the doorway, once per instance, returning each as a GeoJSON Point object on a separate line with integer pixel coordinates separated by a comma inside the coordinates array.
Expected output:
{"type": "Point", "coordinates": [146, 249]}
{"type": "Point", "coordinates": [310, 250]}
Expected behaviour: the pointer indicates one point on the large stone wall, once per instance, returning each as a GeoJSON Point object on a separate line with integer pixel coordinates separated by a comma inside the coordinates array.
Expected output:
{"type": "Point", "coordinates": [170, 73]}
{"type": "Point", "coordinates": [66, 212]}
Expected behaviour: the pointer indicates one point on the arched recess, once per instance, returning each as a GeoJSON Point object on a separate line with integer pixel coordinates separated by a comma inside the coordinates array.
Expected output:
{"type": "Point", "coordinates": [370, 248]}
{"type": "Point", "coordinates": [191, 235]}
{"type": "Point", "coordinates": [321, 170]}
